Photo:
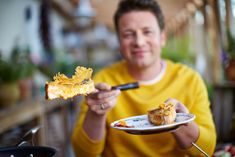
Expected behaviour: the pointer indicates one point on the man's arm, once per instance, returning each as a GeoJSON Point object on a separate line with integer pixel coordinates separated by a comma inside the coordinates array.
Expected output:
{"type": "Point", "coordinates": [188, 133]}
{"type": "Point", "coordinates": [88, 135]}
{"type": "Point", "coordinates": [99, 103]}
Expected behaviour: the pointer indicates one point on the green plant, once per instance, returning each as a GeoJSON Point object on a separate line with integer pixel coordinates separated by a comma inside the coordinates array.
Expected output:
{"type": "Point", "coordinates": [21, 58]}
{"type": "Point", "coordinates": [8, 72]}
{"type": "Point", "coordinates": [17, 67]}
{"type": "Point", "coordinates": [178, 50]}
{"type": "Point", "coordinates": [12, 72]}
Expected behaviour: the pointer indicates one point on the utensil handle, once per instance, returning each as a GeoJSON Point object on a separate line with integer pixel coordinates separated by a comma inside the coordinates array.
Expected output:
{"type": "Point", "coordinates": [29, 136]}
{"type": "Point", "coordinates": [126, 86]}
{"type": "Point", "coordinates": [202, 151]}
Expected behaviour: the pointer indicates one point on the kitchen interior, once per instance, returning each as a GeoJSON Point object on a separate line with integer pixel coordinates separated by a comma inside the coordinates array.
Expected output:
{"type": "Point", "coordinates": [39, 38]}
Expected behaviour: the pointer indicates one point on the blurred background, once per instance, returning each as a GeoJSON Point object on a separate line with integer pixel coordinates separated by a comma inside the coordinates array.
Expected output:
{"type": "Point", "coordinates": [39, 38]}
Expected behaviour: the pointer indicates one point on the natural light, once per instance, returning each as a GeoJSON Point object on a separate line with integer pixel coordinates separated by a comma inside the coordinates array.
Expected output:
{"type": "Point", "coordinates": [233, 7]}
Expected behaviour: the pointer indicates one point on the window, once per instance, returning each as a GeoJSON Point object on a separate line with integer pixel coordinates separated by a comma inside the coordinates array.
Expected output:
{"type": "Point", "coordinates": [233, 7]}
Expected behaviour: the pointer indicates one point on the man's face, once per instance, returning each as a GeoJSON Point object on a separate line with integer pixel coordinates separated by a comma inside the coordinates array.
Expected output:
{"type": "Point", "coordinates": [140, 38]}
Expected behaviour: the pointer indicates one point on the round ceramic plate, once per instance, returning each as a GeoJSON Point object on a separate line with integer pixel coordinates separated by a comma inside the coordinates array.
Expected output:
{"type": "Point", "coordinates": [141, 125]}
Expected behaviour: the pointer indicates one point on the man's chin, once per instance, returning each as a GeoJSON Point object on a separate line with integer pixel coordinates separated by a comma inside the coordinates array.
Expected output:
{"type": "Point", "coordinates": [140, 65]}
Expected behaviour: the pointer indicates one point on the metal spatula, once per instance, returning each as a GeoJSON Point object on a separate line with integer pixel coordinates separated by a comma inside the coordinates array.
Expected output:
{"type": "Point", "coordinates": [202, 151]}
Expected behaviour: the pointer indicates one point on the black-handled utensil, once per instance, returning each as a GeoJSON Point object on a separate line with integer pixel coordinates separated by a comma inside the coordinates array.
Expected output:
{"type": "Point", "coordinates": [126, 86]}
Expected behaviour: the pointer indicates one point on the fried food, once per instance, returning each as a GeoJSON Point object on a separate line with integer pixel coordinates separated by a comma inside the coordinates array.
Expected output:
{"type": "Point", "coordinates": [164, 114]}
{"type": "Point", "coordinates": [64, 87]}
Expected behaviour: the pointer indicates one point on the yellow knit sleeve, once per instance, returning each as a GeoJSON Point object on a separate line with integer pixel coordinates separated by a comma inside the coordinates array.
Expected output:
{"type": "Point", "coordinates": [205, 137]}
{"type": "Point", "coordinates": [83, 146]}
{"type": "Point", "coordinates": [204, 119]}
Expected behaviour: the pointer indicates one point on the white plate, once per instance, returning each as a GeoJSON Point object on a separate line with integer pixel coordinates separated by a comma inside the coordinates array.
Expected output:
{"type": "Point", "coordinates": [141, 124]}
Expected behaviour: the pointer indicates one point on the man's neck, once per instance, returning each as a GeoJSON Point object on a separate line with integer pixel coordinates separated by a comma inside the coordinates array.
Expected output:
{"type": "Point", "coordinates": [146, 73]}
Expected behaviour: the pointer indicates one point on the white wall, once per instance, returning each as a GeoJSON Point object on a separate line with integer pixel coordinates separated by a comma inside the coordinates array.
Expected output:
{"type": "Point", "coordinates": [57, 23]}
{"type": "Point", "coordinates": [14, 26]}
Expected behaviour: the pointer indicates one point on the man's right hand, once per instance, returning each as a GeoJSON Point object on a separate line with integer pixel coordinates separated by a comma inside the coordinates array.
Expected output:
{"type": "Point", "coordinates": [102, 100]}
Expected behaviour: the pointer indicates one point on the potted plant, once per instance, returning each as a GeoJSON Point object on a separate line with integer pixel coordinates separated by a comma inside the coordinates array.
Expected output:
{"type": "Point", "coordinates": [9, 76]}
{"type": "Point", "coordinates": [15, 78]}
{"type": "Point", "coordinates": [21, 58]}
{"type": "Point", "coordinates": [230, 66]}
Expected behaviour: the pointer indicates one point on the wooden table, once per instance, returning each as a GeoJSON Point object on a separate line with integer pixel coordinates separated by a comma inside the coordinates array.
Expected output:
{"type": "Point", "coordinates": [25, 112]}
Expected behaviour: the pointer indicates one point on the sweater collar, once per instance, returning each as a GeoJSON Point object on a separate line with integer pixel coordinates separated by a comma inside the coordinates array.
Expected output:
{"type": "Point", "coordinates": [157, 78]}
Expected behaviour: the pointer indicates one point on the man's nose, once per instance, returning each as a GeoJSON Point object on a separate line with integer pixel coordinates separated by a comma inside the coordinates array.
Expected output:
{"type": "Point", "coordinates": [139, 39]}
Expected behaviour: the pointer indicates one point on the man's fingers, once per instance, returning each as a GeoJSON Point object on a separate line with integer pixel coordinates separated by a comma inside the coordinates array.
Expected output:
{"type": "Point", "coordinates": [179, 107]}
{"type": "Point", "coordinates": [104, 94]}
{"type": "Point", "coordinates": [173, 101]}
{"type": "Point", "coordinates": [102, 86]}
{"type": "Point", "coordinates": [103, 99]}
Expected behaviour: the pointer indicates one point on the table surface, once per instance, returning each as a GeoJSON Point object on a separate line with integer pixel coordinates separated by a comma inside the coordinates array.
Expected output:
{"type": "Point", "coordinates": [24, 112]}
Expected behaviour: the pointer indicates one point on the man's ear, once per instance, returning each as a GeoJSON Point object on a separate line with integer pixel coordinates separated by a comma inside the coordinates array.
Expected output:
{"type": "Point", "coordinates": [163, 38]}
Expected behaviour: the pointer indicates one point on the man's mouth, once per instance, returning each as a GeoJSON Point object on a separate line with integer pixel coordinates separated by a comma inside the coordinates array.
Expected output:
{"type": "Point", "coordinates": [139, 53]}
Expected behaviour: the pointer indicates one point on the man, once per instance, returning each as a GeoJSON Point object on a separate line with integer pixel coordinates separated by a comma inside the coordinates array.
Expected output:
{"type": "Point", "coordinates": [140, 29]}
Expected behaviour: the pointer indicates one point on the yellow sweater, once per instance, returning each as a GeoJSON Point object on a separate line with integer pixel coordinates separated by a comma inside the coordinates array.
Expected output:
{"type": "Point", "coordinates": [179, 82]}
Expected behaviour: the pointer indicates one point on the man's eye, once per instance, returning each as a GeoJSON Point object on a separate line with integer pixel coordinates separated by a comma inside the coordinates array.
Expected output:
{"type": "Point", "coordinates": [148, 32]}
{"type": "Point", "coordinates": [128, 35]}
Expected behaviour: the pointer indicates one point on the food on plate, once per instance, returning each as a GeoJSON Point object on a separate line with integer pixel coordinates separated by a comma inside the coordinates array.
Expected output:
{"type": "Point", "coordinates": [63, 87]}
{"type": "Point", "coordinates": [164, 114]}
{"type": "Point", "coordinates": [122, 123]}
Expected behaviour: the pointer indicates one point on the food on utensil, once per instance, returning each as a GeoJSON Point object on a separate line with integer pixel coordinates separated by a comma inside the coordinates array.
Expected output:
{"type": "Point", "coordinates": [63, 87]}
{"type": "Point", "coordinates": [164, 114]}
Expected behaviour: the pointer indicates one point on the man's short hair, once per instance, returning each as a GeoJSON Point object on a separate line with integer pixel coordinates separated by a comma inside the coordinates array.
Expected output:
{"type": "Point", "coordinates": [126, 6]}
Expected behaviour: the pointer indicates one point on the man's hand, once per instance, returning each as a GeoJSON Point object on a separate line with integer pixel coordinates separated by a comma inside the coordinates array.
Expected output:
{"type": "Point", "coordinates": [103, 99]}
{"type": "Point", "coordinates": [179, 107]}
{"type": "Point", "coordinates": [187, 133]}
